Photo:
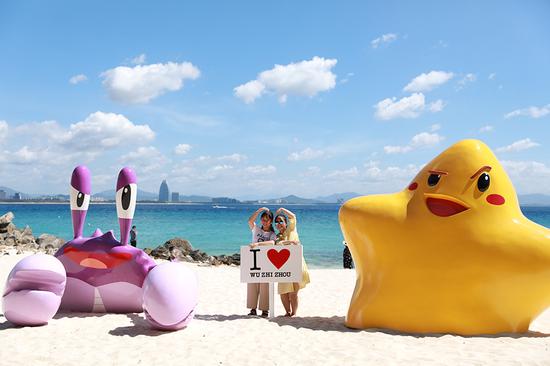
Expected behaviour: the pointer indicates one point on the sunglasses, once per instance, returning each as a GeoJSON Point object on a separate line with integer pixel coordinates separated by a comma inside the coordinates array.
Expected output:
{"type": "Point", "coordinates": [279, 222]}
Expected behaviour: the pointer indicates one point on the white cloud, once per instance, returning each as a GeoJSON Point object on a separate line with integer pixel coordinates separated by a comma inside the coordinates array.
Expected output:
{"type": "Point", "coordinates": [383, 39]}
{"type": "Point", "coordinates": [518, 146]}
{"type": "Point", "coordinates": [104, 130]}
{"type": "Point", "coordinates": [533, 112]}
{"type": "Point", "coordinates": [407, 107]}
{"type": "Point", "coordinates": [346, 79]}
{"type": "Point", "coordinates": [141, 84]}
{"type": "Point", "coordinates": [435, 127]}
{"type": "Point", "coordinates": [311, 171]}
{"type": "Point", "coordinates": [236, 158]}
{"type": "Point", "coordinates": [182, 149]}
{"type": "Point", "coordinates": [138, 60]}
{"type": "Point", "coordinates": [250, 91]}
{"type": "Point", "coordinates": [397, 149]}
{"type": "Point", "coordinates": [421, 140]}
{"type": "Point", "coordinates": [429, 81]}
{"type": "Point", "coordinates": [261, 169]}
{"type": "Point", "coordinates": [352, 172]}
{"type": "Point", "coordinates": [78, 79]}
{"type": "Point", "coordinates": [306, 154]}
{"type": "Point", "coordinates": [469, 78]}
{"type": "Point", "coordinates": [145, 159]}
{"type": "Point", "coordinates": [305, 78]}
{"type": "Point", "coordinates": [437, 106]}
{"type": "Point", "coordinates": [3, 130]}
{"type": "Point", "coordinates": [528, 175]}
{"type": "Point", "coordinates": [487, 128]}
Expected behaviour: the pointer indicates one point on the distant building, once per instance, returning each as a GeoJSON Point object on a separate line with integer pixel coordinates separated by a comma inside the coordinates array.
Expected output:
{"type": "Point", "coordinates": [224, 200]}
{"type": "Point", "coordinates": [3, 194]}
{"type": "Point", "coordinates": [17, 196]}
{"type": "Point", "coordinates": [164, 192]}
{"type": "Point", "coordinates": [175, 197]}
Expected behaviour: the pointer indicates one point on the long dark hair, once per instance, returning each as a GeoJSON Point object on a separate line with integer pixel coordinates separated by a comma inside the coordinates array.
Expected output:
{"type": "Point", "coordinates": [269, 214]}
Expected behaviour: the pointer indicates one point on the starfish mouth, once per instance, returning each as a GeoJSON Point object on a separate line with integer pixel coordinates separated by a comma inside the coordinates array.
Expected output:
{"type": "Point", "coordinates": [444, 206]}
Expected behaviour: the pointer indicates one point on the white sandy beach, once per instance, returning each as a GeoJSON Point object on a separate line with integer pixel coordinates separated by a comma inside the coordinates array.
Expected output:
{"type": "Point", "coordinates": [222, 334]}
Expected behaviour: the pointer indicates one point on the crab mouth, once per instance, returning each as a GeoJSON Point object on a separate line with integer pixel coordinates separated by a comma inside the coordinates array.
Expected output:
{"type": "Point", "coordinates": [444, 206]}
{"type": "Point", "coordinates": [96, 260]}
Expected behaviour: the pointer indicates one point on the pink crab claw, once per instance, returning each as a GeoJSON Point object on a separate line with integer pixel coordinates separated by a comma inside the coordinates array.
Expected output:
{"type": "Point", "coordinates": [170, 296]}
{"type": "Point", "coordinates": [33, 290]}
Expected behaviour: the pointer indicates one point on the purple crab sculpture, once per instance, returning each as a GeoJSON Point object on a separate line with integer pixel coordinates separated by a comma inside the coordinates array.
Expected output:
{"type": "Point", "coordinates": [100, 274]}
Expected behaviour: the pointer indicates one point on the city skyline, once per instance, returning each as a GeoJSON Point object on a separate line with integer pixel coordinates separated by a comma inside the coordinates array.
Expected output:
{"type": "Point", "coordinates": [258, 100]}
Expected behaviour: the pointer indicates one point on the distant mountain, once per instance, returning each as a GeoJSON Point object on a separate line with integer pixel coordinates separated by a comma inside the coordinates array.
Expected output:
{"type": "Point", "coordinates": [338, 197]}
{"type": "Point", "coordinates": [194, 198]}
{"type": "Point", "coordinates": [109, 195]}
{"type": "Point", "coordinates": [534, 200]}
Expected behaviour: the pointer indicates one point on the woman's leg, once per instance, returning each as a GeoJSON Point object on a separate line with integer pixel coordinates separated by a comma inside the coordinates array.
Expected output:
{"type": "Point", "coordinates": [293, 296]}
{"type": "Point", "coordinates": [252, 292]}
{"type": "Point", "coordinates": [285, 299]}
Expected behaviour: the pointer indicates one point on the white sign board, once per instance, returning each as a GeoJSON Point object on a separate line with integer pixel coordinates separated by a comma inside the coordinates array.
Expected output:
{"type": "Point", "coordinates": [271, 263]}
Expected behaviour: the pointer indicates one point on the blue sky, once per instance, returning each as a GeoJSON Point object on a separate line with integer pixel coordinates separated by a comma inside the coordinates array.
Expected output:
{"type": "Point", "coordinates": [249, 99]}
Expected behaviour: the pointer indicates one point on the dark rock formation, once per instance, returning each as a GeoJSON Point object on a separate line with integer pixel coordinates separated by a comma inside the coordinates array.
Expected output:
{"type": "Point", "coordinates": [14, 240]}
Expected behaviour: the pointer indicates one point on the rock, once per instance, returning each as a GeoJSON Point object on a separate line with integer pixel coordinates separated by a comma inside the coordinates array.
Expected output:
{"type": "Point", "coordinates": [7, 218]}
{"type": "Point", "coordinates": [176, 248]}
{"type": "Point", "coordinates": [6, 222]}
{"type": "Point", "coordinates": [44, 241]}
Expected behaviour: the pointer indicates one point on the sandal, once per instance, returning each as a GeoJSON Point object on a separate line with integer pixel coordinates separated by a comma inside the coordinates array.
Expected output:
{"type": "Point", "coordinates": [252, 312]}
{"type": "Point", "coordinates": [265, 314]}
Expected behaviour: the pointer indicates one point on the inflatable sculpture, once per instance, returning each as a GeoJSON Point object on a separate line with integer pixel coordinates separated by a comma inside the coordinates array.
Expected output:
{"type": "Point", "coordinates": [100, 273]}
{"type": "Point", "coordinates": [451, 253]}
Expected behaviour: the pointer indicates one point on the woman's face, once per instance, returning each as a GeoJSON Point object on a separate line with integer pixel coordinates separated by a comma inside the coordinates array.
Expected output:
{"type": "Point", "coordinates": [280, 223]}
{"type": "Point", "coordinates": [266, 222]}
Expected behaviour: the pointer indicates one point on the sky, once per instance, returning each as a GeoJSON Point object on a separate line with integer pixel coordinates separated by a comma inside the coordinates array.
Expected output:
{"type": "Point", "coordinates": [252, 99]}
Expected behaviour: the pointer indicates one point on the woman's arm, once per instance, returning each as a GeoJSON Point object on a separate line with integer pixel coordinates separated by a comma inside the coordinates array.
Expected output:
{"type": "Point", "coordinates": [291, 225]}
{"type": "Point", "coordinates": [269, 242]}
{"type": "Point", "coordinates": [289, 242]}
{"type": "Point", "coordinates": [253, 217]}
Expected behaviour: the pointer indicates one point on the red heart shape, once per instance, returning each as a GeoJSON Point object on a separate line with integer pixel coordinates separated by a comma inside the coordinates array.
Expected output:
{"type": "Point", "coordinates": [278, 258]}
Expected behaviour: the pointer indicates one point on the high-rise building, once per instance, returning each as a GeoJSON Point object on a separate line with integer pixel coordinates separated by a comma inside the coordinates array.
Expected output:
{"type": "Point", "coordinates": [3, 195]}
{"type": "Point", "coordinates": [164, 192]}
{"type": "Point", "coordinates": [175, 197]}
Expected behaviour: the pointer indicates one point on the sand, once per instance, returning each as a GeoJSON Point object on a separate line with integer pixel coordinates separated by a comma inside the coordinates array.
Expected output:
{"type": "Point", "coordinates": [222, 334]}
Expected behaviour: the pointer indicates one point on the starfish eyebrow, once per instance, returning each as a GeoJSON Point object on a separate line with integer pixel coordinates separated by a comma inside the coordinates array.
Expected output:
{"type": "Point", "coordinates": [486, 168]}
{"type": "Point", "coordinates": [440, 172]}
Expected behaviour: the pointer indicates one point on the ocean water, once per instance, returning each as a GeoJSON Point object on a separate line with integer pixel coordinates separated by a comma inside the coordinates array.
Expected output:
{"type": "Point", "coordinates": [220, 230]}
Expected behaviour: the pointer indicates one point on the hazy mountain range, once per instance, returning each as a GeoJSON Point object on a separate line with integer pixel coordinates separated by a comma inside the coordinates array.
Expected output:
{"type": "Point", "coordinates": [109, 195]}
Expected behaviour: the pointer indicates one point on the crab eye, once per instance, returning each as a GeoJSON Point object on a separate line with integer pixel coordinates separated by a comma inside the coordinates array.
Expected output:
{"type": "Point", "coordinates": [79, 200]}
{"type": "Point", "coordinates": [433, 179]}
{"type": "Point", "coordinates": [126, 197]}
{"type": "Point", "coordinates": [483, 182]}
{"type": "Point", "coordinates": [126, 201]}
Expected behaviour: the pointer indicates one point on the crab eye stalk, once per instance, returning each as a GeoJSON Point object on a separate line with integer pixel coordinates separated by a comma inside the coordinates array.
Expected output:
{"type": "Point", "coordinates": [126, 196]}
{"type": "Point", "coordinates": [79, 192]}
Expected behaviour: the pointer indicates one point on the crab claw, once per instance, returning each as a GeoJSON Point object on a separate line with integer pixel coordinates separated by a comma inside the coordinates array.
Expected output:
{"type": "Point", "coordinates": [170, 296]}
{"type": "Point", "coordinates": [33, 290]}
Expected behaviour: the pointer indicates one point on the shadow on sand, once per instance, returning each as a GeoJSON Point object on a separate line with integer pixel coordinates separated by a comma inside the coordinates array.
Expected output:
{"type": "Point", "coordinates": [336, 324]}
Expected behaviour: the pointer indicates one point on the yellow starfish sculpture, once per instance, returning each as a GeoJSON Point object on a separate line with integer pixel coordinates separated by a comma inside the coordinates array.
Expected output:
{"type": "Point", "coordinates": [452, 253]}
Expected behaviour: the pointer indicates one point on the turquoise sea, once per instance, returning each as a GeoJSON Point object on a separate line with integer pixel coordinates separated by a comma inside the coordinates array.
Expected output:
{"type": "Point", "coordinates": [213, 229]}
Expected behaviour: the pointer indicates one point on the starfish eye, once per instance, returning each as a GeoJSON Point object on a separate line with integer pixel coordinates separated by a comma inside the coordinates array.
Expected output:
{"type": "Point", "coordinates": [483, 182]}
{"type": "Point", "coordinates": [433, 179]}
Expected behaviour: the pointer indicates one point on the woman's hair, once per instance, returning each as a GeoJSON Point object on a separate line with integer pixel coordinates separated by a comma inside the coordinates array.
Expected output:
{"type": "Point", "coordinates": [269, 214]}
